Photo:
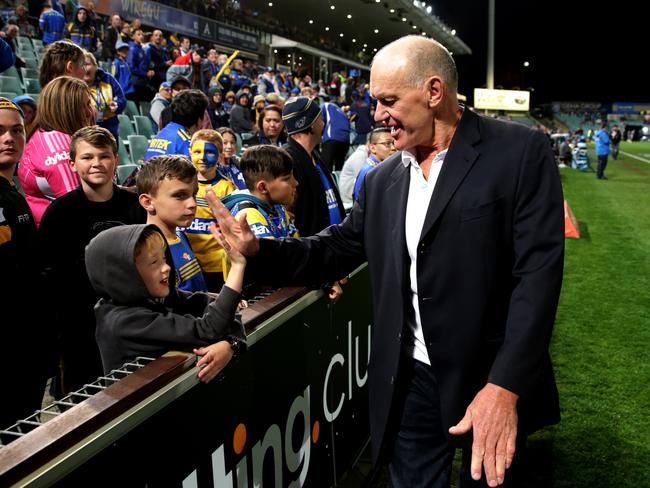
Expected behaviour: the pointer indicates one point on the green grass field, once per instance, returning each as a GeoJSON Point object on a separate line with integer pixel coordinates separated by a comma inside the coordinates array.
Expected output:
{"type": "Point", "coordinates": [602, 334]}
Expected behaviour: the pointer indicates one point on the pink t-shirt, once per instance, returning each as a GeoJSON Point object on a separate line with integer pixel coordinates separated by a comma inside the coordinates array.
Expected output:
{"type": "Point", "coordinates": [44, 171]}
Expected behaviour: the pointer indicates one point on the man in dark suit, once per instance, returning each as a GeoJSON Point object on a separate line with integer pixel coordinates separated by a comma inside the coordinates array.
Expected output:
{"type": "Point", "coordinates": [463, 232]}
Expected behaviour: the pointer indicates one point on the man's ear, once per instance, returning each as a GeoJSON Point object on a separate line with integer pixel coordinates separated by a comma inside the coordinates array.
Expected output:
{"type": "Point", "coordinates": [72, 165]}
{"type": "Point", "coordinates": [372, 148]}
{"type": "Point", "coordinates": [435, 91]}
{"type": "Point", "coordinates": [147, 203]}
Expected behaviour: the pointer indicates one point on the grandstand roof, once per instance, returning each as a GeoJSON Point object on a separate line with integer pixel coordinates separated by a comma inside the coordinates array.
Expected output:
{"type": "Point", "coordinates": [371, 22]}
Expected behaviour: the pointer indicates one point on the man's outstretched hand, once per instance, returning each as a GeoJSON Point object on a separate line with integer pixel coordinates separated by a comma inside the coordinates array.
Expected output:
{"type": "Point", "coordinates": [236, 232]}
{"type": "Point", "coordinates": [492, 417]}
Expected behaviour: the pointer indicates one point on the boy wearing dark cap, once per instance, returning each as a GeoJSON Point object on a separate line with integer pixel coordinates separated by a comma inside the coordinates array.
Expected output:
{"type": "Point", "coordinates": [120, 68]}
{"type": "Point", "coordinates": [318, 202]}
{"type": "Point", "coordinates": [160, 102]}
{"type": "Point", "coordinates": [28, 106]}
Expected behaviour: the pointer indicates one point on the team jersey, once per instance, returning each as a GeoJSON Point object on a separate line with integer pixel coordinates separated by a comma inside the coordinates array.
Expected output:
{"type": "Point", "coordinates": [52, 23]}
{"type": "Point", "coordinates": [82, 36]}
{"type": "Point", "coordinates": [173, 139]}
{"type": "Point", "coordinates": [44, 171]}
{"type": "Point", "coordinates": [330, 197]}
{"type": "Point", "coordinates": [370, 163]}
{"type": "Point", "coordinates": [266, 221]}
{"type": "Point", "coordinates": [188, 272]}
{"type": "Point", "coordinates": [206, 249]}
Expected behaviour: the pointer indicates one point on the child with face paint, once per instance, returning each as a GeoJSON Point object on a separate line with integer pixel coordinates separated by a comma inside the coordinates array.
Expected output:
{"type": "Point", "coordinates": [205, 149]}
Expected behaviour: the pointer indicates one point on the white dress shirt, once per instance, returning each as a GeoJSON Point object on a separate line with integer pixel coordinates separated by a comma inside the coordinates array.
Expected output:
{"type": "Point", "coordinates": [420, 191]}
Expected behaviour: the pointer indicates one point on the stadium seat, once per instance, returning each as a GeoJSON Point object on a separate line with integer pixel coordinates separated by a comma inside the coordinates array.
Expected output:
{"type": "Point", "coordinates": [126, 127]}
{"type": "Point", "coordinates": [10, 84]}
{"type": "Point", "coordinates": [32, 85]}
{"type": "Point", "coordinates": [138, 146]}
{"type": "Point", "coordinates": [23, 41]}
{"type": "Point", "coordinates": [29, 73]}
{"type": "Point", "coordinates": [131, 109]}
{"type": "Point", "coordinates": [37, 43]}
{"type": "Point", "coordinates": [31, 63]}
{"type": "Point", "coordinates": [9, 95]}
{"type": "Point", "coordinates": [11, 71]}
{"type": "Point", "coordinates": [25, 48]}
{"type": "Point", "coordinates": [123, 153]}
{"type": "Point", "coordinates": [143, 126]}
{"type": "Point", "coordinates": [28, 55]}
{"type": "Point", "coordinates": [123, 171]}
{"type": "Point", "coordinates": [145, 107]}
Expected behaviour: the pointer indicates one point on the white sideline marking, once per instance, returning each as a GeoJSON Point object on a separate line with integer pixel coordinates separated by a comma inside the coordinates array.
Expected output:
{"type": "Point", "coordinates": [636, 157]}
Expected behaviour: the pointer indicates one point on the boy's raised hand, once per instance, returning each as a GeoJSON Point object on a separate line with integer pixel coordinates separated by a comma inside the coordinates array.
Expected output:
{"type": "Point", "coordinates": [236, 232]}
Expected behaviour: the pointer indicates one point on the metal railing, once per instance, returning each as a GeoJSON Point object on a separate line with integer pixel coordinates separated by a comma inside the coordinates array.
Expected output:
{"type": "Point", "coordinates": [56, 408]}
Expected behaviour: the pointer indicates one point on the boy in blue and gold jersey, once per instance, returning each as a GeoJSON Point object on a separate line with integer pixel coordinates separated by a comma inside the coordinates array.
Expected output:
{"type": "Point", "coordinates": [206, 148]}
{"type": "Point", "coordinates": [268, 171]}
{"type": "Point", "coordinates": [187, 110]}
{"type": "Point", "coordinates": [167, 187]}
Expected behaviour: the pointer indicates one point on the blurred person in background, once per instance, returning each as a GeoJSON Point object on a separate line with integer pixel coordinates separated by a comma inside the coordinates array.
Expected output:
{"type": "Point", "coordinates": [29, 108]}
{"type": "Point", "coordinates": [615, 138]}
{"type": "Point", "coordinates": [602, 150]}
{"type": "Point", "coordinates": [216, 109]}
{"type": "Point", "coordinates": [62, 58]}
{"type": "Point", "coordinates": [81, 30]}
{"type": "Point", "coordinates": [106, 94]}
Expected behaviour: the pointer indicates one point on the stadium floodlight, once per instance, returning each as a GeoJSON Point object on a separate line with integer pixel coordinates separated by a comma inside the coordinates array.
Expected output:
{"type": "Point", "coordinates": [392, 11]}
{"type": "Point", "coordinates": [311, 21]}
{"type": "Point", "coordinates": [429, 9]}
{"type": "Point", "coordinates": [332, 7]}
{"type": "Point", "coordinates": [526, 64]}
{"type": "Point", "coordinates": [453, 32]}
{"type": "Point", "coordinates": [349, 16]}
{"type": "Point", "coordinates": [376, 31]}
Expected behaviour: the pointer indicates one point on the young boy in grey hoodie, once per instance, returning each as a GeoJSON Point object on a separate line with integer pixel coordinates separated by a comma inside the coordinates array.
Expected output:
{"type": "Point", "coordinates": [142, 314]}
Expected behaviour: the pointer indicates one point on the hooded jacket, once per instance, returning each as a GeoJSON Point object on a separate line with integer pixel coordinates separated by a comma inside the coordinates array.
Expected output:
{"type": "Point", "coordinates": [240, 116]}
{"type": "Point", "coordinates": [130, 323]}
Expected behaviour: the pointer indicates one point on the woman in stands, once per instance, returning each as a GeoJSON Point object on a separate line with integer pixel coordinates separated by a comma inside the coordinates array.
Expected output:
{"type": "Point", "coordinates": [44, 172]}
{"type": "Point", "coordinates": [107, 96]}
{"type": "Point", "coordinates": [62, 58]}
{"type": "Point", "coordinates": [271, 127]}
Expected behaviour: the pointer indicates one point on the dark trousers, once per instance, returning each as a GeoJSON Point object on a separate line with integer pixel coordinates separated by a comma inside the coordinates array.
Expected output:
{"type": "Point", "coordinates": [334, 153]}
{"type": "Point", "coordinates": [602, 164]}
{"type": "Point", "coordinates": [422, 455]}
{"type": "Point", "coordinates": [615, 148]}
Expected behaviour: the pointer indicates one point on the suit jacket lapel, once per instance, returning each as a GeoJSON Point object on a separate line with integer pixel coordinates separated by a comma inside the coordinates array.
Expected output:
{"type": "Point", "coordinates": [459, 160]}
{"type": "Point", "coordinates": [399, 188]}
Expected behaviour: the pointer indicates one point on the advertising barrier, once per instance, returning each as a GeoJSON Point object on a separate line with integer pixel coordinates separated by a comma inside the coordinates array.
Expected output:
{"type": "Point", "coordinates": [292, 411]}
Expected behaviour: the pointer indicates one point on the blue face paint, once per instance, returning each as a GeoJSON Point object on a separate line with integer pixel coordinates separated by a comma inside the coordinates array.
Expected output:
{"type": "Point", "coordinates": [205, 155]}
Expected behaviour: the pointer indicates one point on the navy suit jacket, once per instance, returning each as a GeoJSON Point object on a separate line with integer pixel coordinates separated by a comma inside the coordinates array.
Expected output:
{"type": "Point", "coordinates": [489, 270]}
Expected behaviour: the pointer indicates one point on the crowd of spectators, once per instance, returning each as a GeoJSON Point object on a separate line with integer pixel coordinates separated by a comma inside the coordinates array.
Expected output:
{"type": "Point", "coordinates": [205, 109]}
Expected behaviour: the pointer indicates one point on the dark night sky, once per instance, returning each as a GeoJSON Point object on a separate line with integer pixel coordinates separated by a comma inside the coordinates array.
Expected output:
{"type": "Point", "coordinates": [577, 50]}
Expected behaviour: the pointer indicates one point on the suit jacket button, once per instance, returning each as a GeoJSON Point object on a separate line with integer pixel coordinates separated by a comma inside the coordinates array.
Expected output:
{"type": "Point", "coordinates": [392, 380]}
{"type": "Point", "coordinates": [399, 336]}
